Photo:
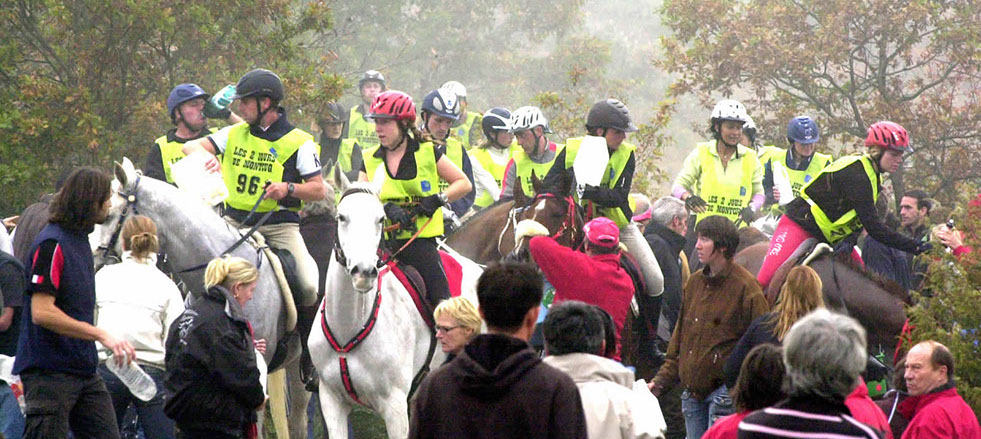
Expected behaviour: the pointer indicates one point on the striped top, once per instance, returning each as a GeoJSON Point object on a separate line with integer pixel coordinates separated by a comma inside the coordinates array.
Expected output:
{"type": "Point", "coordinates": [805, 418]}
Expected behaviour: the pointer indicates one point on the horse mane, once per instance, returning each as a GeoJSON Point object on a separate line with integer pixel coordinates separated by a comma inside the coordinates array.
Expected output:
{"type": "Point", "coordinates": [472, 219]}
{"type": "Point", "coordinates": [891, 287]}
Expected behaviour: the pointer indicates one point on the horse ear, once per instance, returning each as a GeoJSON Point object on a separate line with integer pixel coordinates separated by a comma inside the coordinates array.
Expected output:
{"type": "Point", "coordinates": [378, 180]}
{"type": "Point", "coordinates": [536, 183]}
{"type": "Point", "coordinates": [520, 199]}
{"type": "Point", "coordinates": [119, 173]}
{"type": "Point", "coordinates": [565, 184]}
{"type": "Point", "coordinates": [340, 180]}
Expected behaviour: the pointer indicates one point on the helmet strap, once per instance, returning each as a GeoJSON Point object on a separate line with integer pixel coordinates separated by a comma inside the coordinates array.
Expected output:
{"type": "Point", "coordinates": [261, 114]}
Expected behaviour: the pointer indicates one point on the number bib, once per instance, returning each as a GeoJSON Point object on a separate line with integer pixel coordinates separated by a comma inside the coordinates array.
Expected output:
{"type": "Point", "coordinates": [249, 162]}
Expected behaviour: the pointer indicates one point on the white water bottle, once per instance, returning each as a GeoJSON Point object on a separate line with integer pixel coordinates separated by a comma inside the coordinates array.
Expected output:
{"type": "Point", "coordinates": [132, 375]}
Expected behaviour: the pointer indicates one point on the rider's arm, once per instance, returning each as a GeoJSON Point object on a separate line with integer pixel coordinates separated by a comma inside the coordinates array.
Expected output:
{"type": "Point", "coordinates": [619, 195]}
{"type": "Point", "coordinates": [204, 143]}
{"type": "Point", "coordinates": [308, 166]}
{"type": "Point", "coordinates": [153, 166]}
{"type": "Point", "coordinates": [768, 183]}
{"type": "Point", "coordinates": [234, 119]}
{"type": "Point", "coordinates": [510, 179]}
{"type": "Point", "coordinates": [684, 183]}
{"type": "Point", "coordinates": [853, 183]}
{"type": "Point", "coordinates": [484, 180]}
{"type": "Point", "coordinates": [558, 167]}
{"type": "Point", "coordinates": [557, 262]}
{"type": "Point", "coordinates": [459, 184]}
{"type": "Point", "coordinates": [758, 197]}
{"type": "Point", "coordinates": [461, 206]}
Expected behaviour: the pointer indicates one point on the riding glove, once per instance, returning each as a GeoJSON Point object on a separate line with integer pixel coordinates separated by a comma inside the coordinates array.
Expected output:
{"type": "Point", "coordinates": [696, 204]}
{"type": "Point", "coordinates": [397, 215]}
{"type": "Point", "coordinates": [590, 192]}
{"type": "Point", "coordinates": [429, 205]}
{"type": "Point", "coordinates": [747, 215]}
{"type": "Point", "coordinates": [924, 247]}
{"type": "Point", "coordinates": [846, 245]}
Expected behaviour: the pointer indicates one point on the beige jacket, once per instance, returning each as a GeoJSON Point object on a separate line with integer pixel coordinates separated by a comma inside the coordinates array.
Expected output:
{"type": "Point", "coordinates": [615, 405]}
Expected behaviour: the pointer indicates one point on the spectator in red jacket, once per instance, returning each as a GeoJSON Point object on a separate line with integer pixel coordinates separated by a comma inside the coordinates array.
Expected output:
{"type": "Point", "coordinates": [864, 409]}
{"type": "Point", "coordinates": [595, 277]}
{"type": "Point", "coordinates": [934, 408]}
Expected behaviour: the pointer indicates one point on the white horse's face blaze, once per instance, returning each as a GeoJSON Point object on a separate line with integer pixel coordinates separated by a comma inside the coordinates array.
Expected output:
{"type": "Point", "coordinates": [360, 220]}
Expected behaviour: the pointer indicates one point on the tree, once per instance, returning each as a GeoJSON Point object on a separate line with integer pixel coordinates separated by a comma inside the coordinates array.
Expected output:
{"type": "Point", "coordinates": [86, 81]}
{"type": "Point", "coordinates": [849, 64]}
{"type": "Point", "coordinates": [948, 310]}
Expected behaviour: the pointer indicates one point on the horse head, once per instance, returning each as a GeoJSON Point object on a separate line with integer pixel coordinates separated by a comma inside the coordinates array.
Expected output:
{"type": "Point", "coordinates": [360, 223]}
{"type": "Point", "coordinates": [554, 208]}
{"type": "Point", "coordinates": [107, 247]}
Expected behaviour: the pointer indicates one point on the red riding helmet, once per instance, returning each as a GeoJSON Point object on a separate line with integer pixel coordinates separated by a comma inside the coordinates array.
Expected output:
{"type": "Point", "coordinates": [889, 135]}
{"type": "Point", "coordinates": [393, 104]}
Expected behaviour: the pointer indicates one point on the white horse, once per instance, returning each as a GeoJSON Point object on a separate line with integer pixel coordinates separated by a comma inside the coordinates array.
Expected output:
{"type": "Point", "coordinates": [394, 341]}
{"type": "Point", "coordinates": [190, 235]}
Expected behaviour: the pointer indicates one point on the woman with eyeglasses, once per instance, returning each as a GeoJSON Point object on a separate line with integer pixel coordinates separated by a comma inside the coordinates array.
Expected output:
{"type": "Point", "coordinates": [457, 321]}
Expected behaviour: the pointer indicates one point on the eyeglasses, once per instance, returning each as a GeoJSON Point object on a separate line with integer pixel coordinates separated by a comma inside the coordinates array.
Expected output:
{"type": "Point", "coordinates": [446, 329]}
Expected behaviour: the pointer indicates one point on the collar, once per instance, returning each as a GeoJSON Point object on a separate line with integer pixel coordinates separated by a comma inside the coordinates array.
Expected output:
{"type": "Point", "coordinates": [172, 136]}
{"type": "Point", "coordinates": [549, 146]}
{"type": "Point", "coordinates": [233, 310]}
{"type": "Point", "coordinates": [804, 163]}
{"type": "Point", "coordinates": [277, 130]}
{"type": "Point", "coordinates": [151, 259]}
{"type": "Point", "coordinates": [717, 279]}
{"type": "Point", "coordinates": [912, 405]}
{"type": "Point", "coordinates": [714, 150]}
{"type": "Point", "coordinates": [674, 239]}
{"type": "Point", "coordinates": [410, 148]}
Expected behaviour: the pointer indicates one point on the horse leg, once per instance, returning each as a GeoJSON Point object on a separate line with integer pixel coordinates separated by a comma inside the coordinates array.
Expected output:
{"type": "Point", "coordinates": [335, 412]}
{"type": "Point", "coordinates": [395, 412]}
{"type": "Point", "coordinates": [297, 398]}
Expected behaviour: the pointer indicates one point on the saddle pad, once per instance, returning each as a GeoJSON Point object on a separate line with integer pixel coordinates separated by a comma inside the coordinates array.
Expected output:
{"type": "Point", "coordinates": [410, 278]}
{"type": "Point", "coordinates": [454, 273]}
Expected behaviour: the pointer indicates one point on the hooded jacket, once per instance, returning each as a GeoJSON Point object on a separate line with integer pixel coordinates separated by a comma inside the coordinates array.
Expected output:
{"type": "Point", "coordinates": [614, 409]}
{"type": "Point", "coordinates": [497, 388]}
{"type": "Point", "coordinates": [212, 379]}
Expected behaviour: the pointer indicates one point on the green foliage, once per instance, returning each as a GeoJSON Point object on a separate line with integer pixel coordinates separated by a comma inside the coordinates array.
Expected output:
{"type": "Point", "coordinates": [848, 63]}
{"type": "Point", "coordinates": [949, 312]}
{"type": "Point", "coordinates": [86, 81]}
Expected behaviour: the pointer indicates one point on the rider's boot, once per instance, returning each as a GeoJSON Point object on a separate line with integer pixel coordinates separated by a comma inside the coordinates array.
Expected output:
{"type": "Point", "coordinates": [305, 316]}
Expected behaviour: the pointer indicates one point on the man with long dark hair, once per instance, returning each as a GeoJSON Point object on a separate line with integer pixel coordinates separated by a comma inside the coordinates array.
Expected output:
{"type": "Point", "coordinates": [56, 356]}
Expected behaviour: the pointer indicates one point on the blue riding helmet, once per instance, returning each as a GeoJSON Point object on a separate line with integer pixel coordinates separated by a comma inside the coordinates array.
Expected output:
{"type": "Point", "coordinates": [442, 102]}
{"type": "Point", "coordinates": [181, 94]}
{"type": "Point", "coordinates": [803, 129]}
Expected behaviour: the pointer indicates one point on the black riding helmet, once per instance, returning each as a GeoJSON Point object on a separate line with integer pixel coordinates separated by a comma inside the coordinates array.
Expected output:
{"type": "Point", "coordinates": [610, 113]}
{"type": "Point", "coordinates": [260, 83]}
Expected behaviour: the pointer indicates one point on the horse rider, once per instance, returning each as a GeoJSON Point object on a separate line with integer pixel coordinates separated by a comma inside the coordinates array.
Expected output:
{"type": "Point", "coordinates": [750, 134]}
{"type": "Point", "coordinates": [269, 166]}
{"type": "Point", "coordinates": [840, 201]}
{"type": "Point", "coordinates": [495, 153]}
{"type": "Point", "coordinates": [334, 148]}
{"type": "Point", "coordinates": [799, 160]}
{"type": "Point", "coordinates": [411, 167]}
{"type": "Point", "coordinates": [361, 128]}
{"type": "Point", "coordinates": [189, 109]}
{"type": "Point", "coordinates": [465, 127]}
{"type": "Point", "coordinates": [610, 120]}
{"type": "Point", "coordinates": [536, 155]}
{"type": "Point", "coordinates": [722, 177]}
{"type": "Point", "coordinates": [440, 110]}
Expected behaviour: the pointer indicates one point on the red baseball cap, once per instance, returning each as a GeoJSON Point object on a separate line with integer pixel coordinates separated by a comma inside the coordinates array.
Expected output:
{"type": "Point", "coordinates": [603, 232]}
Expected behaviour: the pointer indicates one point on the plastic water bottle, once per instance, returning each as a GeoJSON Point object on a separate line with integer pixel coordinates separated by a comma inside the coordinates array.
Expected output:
{"type": "Point", "coordinates": [224, 97]}
{"type": "Point", "coordinates": [191, 177]}
{"type": "Point", "coordinates": [781, 179]}
{"type": "Point", "coordinates": [132, 375]}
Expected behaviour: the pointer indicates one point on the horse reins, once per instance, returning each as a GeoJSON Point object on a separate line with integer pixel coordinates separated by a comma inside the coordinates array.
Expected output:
{"type": "Point", "coordinates": [339, 252]}
{"type": "Point", "coordinates": [130, 202]}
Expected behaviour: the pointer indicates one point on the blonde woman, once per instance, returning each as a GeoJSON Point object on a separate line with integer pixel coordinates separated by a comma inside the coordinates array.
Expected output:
{"type": "Point", "coordinates": [800, 295]}
{"type": "Point", "coordinates": [457, 321]}
{"type": "Point", "coordinates": [142, 316]}
{"type": "Point", "coordinates": [212, 384]}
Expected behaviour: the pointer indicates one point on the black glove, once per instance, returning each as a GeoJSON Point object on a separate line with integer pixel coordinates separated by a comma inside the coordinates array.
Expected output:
{"type": "Point", "coordinates": [397, 215]}
{"type": "Point", "coordinates": [590, 192]}
{"type": "Point", "coordinates": [429, 205]}
{"type": "Point", "coordinates": [845, 246]}
{"type": "Point", "coordinates": [696, 204]}
{"type": "Point", "coordinates": [924, 247]}
{"type": "Point", "coordinates": [747, 215]}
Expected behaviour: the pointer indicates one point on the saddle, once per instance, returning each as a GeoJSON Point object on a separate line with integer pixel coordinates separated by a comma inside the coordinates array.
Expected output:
{"type": "Point", "coordinates": [284, 265]}
{"type": "Point", "coordinates": [413, 283]}
{"type": "Point", "coordinates": [803, 255]}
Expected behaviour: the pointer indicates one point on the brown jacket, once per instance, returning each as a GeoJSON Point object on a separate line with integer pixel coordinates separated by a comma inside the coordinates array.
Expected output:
{"type": "Point", "coordinates": [715, 312]}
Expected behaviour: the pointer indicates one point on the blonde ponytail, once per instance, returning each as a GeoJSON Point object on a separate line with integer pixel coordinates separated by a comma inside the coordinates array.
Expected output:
{"type": "Point", "coordinates": [140, 237]}
{"type": "Point", "coordinates": [229, 270]}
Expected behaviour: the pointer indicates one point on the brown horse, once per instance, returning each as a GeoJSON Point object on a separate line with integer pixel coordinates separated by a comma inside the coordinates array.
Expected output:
{"type": "Point", "coordinates": [488, 236]}
{"type": "Point", "coordinates": [877, 303]}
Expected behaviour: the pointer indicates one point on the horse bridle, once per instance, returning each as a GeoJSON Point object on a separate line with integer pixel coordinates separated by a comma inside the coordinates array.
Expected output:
{"type": "Point", "coordinates": [108, 249]}
{"type": "Point", "coordinates": [338, 251]}
{"type": "Point", "coordinates": [568, 224]}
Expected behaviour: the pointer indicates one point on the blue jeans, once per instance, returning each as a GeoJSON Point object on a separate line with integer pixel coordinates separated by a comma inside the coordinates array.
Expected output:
{"type": "Point", "coordinates": [701, 414]}
{"type": "Point", "coordinates": [156, 425]}
{"type": "Point", "coordinates": [11, 419]}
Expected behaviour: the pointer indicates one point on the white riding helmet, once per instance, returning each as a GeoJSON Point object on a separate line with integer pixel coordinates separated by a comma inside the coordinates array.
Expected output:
{"type": "Point", "coordinates": [729, 109]}
{"type": "Point", "coordinates": [750, 124]}
{"type": "Point", "coordinates": [528, 117]}
{"type": "Point", "coordinates": [456, 88]}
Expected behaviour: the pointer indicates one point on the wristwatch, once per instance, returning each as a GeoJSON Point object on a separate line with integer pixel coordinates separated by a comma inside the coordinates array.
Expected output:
{"type": "Point", "coordinates": [442, 198]}
{"type": "Point", "coordinates": [290, 187]}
